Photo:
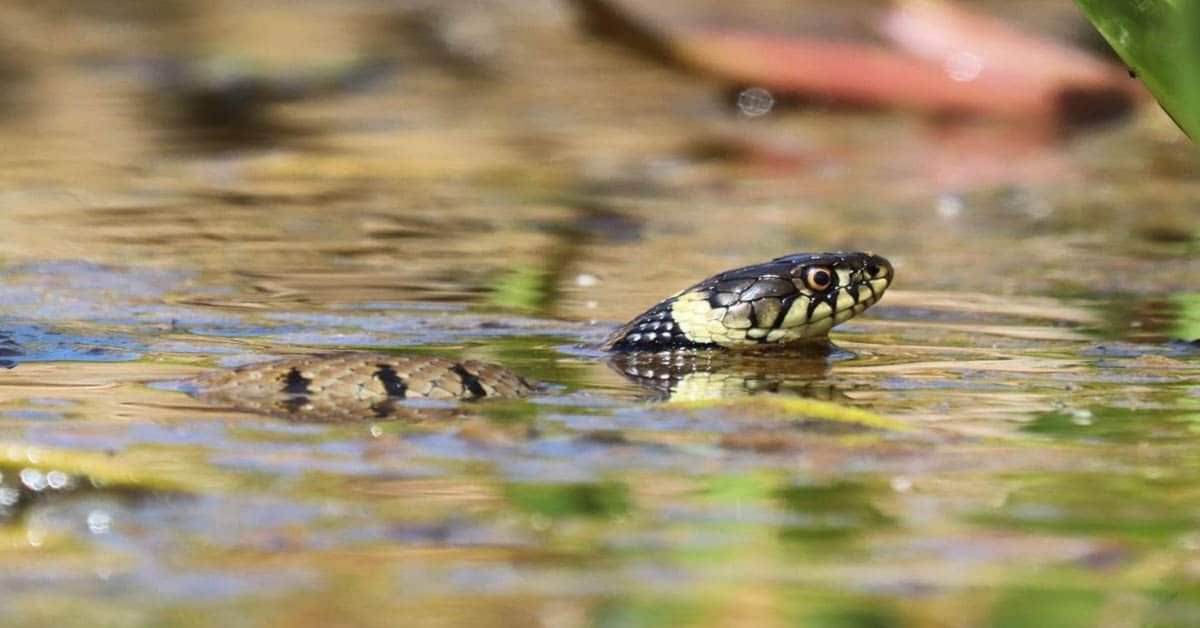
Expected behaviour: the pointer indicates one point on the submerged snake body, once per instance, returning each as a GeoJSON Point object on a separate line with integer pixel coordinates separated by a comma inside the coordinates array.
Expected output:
{"type": "Point", "coordinates": [784, 301]}
{"type": "Point", "coordinates": [355, 385]}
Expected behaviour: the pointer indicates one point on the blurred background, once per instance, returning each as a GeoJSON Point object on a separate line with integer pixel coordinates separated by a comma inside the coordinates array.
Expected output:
{"type": "Point", "coordinates": [428, 151]}
{"type": "Point", "coordinates": [188, 185]}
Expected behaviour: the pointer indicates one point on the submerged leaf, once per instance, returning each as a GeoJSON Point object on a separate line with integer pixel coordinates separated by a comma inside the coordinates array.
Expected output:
{"type": "Point", "coordinates": [601, 500]}
{"type": "Point", "coordinates": [525, 289]}
{"type": "Point", "coordinates": [1187, 316]}
{"type": "Point", "coordinates": [798, 407]}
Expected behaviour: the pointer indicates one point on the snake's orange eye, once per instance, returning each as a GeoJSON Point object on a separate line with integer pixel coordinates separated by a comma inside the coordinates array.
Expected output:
{"type": "Point", "coordinates": [818, 278]}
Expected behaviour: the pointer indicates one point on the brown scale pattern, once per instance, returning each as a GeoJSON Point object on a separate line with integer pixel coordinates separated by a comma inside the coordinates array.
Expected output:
{"type": "Point", "coordinates": [356, 386]}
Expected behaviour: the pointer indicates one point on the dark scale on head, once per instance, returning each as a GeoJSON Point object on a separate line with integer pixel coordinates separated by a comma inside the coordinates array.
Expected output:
{"type": "Point", "coordinates": [765, 299]}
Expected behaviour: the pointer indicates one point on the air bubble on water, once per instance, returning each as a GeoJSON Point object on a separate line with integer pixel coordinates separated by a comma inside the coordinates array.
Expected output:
{"type": "Point", "coordinates": [755, 102]}
{"type": "Point", "coordinates": [33, 479]}
{"type": "Point", "coordinates": [963, 66]}
{"type": "Point", "coordinates": [99, 522]}
{"type": "Point", "coordinates": [949, 205]}
{"type": "Point", "coordinates": [58, 480]}
{"type": "Point", "coordinates": [1038, 208]}
{"type": "Point", "coordinates": [585, 280]}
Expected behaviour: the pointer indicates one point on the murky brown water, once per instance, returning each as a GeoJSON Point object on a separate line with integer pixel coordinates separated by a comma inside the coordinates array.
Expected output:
{"type": "Point", "coordinates": [508, 190]}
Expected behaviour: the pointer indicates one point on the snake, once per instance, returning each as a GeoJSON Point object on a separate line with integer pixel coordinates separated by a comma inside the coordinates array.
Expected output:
{"type": "Point", "coordinates": [762, 308]}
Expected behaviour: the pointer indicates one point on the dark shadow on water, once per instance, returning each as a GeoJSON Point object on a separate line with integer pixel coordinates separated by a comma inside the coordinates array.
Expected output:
{"type": "Point", "coordinates": [9, 350]}
{"type": "Point", "coordinates": [221, 104]}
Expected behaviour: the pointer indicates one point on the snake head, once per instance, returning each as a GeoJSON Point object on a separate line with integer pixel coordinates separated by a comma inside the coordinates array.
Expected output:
{"type": "Point", "coordinates": [788, 299]}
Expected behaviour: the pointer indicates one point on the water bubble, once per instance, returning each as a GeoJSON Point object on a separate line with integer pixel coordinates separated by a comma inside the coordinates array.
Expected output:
{"type": "Point", "coordinates": [963, 66]}
{"type": "Point", "coordinates": [99, 522]}
{"type": "Point", "coordinates": [1154, 474]}
{"type": "Point", "coordinates": [58, 480]}
{"type": "Point", "coordinates": [949, 205]}
{"type": "Point", "coordinates": [35, 480]}
{"type": "Point", "coordinates": [1038, 208]}
{"type": "Point", "coordinates": [755, 102]}
{"type": "Point", "coordinates": [585, 280]}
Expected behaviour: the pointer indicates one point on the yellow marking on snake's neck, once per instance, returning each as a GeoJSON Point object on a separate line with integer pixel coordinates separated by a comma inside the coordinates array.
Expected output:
{"type": "Point", "coordinates": [692, 314]}
{"type": "Point", "coordinates": [702, 323]}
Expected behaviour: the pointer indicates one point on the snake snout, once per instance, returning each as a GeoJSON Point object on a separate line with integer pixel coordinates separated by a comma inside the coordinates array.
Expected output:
{"type": "Point", "coordinates": [876, 275]}
{"type": "Point", "coordinates": [878, 266]}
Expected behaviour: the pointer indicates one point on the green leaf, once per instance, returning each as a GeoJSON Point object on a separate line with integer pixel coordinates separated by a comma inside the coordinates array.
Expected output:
{"type": "Point", "coordinates": [525, 289]}
{"type": "Point", "coordinates": [1160, 41]}
{"type": "Point", "coordinates": [601, 500]}
{"type": "Point", "coordinates": [1186, 325]}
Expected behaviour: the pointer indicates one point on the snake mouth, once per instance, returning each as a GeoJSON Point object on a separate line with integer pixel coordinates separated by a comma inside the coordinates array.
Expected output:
{"type": "Point", "coordinates": [785, 300]}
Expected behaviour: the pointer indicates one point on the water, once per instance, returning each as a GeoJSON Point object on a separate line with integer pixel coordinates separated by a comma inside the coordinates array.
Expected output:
{"type": "Point", "coordinates": [1033, 365]}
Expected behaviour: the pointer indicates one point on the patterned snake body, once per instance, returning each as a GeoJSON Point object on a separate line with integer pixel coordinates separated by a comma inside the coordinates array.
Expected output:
{"type": "Point", "coordinates": [355, 385]}
{"type": "Point", "coordinates": [784, 301]}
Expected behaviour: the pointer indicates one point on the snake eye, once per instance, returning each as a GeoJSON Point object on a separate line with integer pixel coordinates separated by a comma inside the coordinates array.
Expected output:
{"type": "Point", "coordinates": [818, 278]}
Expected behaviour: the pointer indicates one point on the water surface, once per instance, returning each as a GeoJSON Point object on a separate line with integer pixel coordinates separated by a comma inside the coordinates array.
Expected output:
{"type": "Point", "coordinates": [1035, 361]}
